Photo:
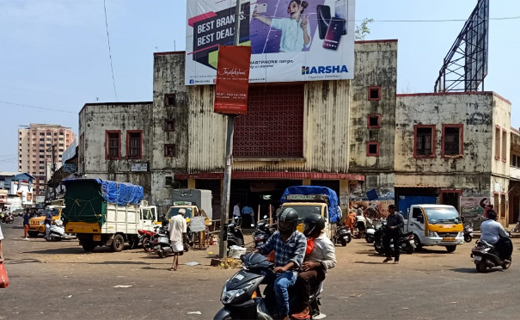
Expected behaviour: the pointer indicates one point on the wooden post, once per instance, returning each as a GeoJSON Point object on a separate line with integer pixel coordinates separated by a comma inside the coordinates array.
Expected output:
{"type": "Point", "coordinates": [270, 214]}
{"type": "Point", "coordinates": [258, 213]}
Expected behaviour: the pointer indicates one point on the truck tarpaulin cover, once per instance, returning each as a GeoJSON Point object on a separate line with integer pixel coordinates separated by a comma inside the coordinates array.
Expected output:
{"type": "Point", "coordinates": [86, 199]}
{"type": "Point", "coordinates": [306, 190]}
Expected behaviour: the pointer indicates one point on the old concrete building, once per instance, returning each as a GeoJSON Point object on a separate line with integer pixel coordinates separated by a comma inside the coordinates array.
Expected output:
{"type": "Point", "coordinates": [514, 174]}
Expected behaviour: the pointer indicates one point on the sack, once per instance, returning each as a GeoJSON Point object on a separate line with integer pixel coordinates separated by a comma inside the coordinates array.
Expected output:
{"type": "Point", "coordinates": [4, 279]}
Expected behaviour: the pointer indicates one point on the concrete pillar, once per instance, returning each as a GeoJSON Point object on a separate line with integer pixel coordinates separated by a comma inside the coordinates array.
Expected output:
{"type": "Point", "coordinates": [191, 183]}
{"type": "Point", "coordinates": [344, 193]}
{"type": "Point", "coordinates": [306, 182]}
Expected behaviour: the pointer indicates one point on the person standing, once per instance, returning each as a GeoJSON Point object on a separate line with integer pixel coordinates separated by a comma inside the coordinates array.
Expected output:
{"type": "Point", "coordinates": [247, 212]}
{"type": "Point", "coordinates": [236, 214]}
{"type": "Point", "coordinates": [177, 229]}
{"type": "Point", "coordinates": [48, 222]}
{"type": "Point", "coordinates": [26, 218]}
{"type": "Point", "coordinates": [394, 223]}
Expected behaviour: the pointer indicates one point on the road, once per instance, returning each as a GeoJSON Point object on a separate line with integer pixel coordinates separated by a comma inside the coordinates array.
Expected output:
{"type": "Point", "coordinates": [58, 280]}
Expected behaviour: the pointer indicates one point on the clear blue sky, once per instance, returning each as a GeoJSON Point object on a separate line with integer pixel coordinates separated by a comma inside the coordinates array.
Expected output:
{"type": "Point", "coordinates": [53, 53]}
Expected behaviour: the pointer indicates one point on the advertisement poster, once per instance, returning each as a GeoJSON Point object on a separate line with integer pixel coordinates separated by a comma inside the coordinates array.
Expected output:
{"type": "Point", "coordinates": [291, 40]}
{"type": "Point", "coordinates": [232, 80]}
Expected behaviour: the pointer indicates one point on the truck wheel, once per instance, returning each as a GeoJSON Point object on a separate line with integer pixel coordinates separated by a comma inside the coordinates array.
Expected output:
{"type": "Point", "coordinates": [118, 243]}
{"type": "Point", "coordinates": [33, 234]}
{"type": "Point", "coordinates": [451, 248]}
{"type": "Point", "coordinates": [89, 246]}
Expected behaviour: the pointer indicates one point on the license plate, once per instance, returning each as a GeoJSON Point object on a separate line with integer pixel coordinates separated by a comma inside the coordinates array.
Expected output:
{"type": "Point", "coordinates": [96, 237]}
{"type": "Point", "coordinates": [477, 258]}
{"type": "Point", "coordinates": [448, 239]}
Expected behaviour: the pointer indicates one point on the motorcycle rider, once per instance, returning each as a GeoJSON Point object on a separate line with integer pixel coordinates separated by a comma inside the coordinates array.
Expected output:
{"type": "Point", "coordinates": [319, 257]}
{"type": "Point", "coordinates": [289, 249]}
{"type": "Point", "coordinates": [493, 233]}
{"type": "Point", "coordinates": [394, 223]}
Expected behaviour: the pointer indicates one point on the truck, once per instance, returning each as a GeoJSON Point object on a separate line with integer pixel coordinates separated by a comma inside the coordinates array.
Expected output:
{"type": "Point", "coordinates": [435, 225]}
{"type": "Point", "coordinates": [308, 200]}
{"type": "Point", "coordinates": [108, 213]}
{"type": "Point", "coordinates": [193, 200]}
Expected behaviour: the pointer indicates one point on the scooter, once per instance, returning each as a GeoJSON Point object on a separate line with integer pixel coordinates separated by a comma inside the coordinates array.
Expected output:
{"type": "Point", "coordinates": [7, 218]}
{"type": "Point", "coordinates": [242, 297]}
{"type": "Point", "coordinates": [161, 242]}
{"type": "Point", "coordinates": [235, 237]}
{"type": "Point", "coordinates": [468, 233]}
{"type": "Point", "coordinates": [262, 233]}
{"type": "Point", "coordinates": [406, 241]}
{"type": "Point", "coordinates": [343, 236]}
{"type": "Point", "coordinates": [57, 232]}
{"type": "Point", "coordinates": [485, 256]}
{"type": "Point", "coordinates": [371, 230]}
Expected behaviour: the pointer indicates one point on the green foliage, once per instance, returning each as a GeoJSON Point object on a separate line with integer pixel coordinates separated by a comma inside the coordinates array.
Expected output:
{"type": "Point", "coordinates": [362, 30]}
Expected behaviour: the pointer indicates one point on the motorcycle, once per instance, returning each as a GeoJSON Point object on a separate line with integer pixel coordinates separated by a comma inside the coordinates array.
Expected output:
{"type": "Point", "coordinates": [468, 233]}
{"type": "Point", "coordinates": [343, 236]}
{"type": "Point", "coordinates": [262, 233]}
{"type": "Point", "coordinates": [161, 242]}
{"type": "Point", "coordinates": [371, 230]}
{"type": "Point", "coordinates": [145, 238]}
{"type": "Point", "coordinates": [242, 297]}
{"type": "Point", "coordinates": [235, 237]}
{"type": "Point", "coordinates": [57, 232]}
{"type": "Point", "coordinates": [7, 218]}
{"type": "Point", "coordinates": [406, 241]}
{"type": "Point", "coordinates": [485, 256]}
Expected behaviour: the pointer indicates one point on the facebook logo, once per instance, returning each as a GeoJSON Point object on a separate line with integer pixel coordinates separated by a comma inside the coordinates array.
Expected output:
{"type": "Point", "coordinates": [192, 81]}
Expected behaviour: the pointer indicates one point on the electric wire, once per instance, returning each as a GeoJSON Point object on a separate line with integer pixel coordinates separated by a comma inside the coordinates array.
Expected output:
{"type": "Point", "coordinates": [35, 107]}
{"type": "Point", "coordinates": [110, 50]}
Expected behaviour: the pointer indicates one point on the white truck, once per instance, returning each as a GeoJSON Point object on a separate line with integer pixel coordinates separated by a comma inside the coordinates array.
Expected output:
{"type": "Point", "coordinates": [435, 225]}
{"type": "Point", "coordinates": [106, 213]}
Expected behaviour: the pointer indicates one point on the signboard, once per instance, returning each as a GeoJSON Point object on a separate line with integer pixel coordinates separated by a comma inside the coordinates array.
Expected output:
{"type": "Point", "coordinates": [139, 167]}
{"type": "Point", "coordinates": [182, 203]}
{"type": "Point", "coordinates": [69, 167]}
{"type": "Point", "coordinates": [232, 80]}
{"type": "Point", "coordinates": [198, 224]}
{"type": "Point", "coordinates": [290, 41]}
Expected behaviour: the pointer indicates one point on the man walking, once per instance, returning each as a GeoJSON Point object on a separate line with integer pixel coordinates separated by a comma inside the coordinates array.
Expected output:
{"type": "Point", "coordinates": [26, 218]}
{"type": "Point", "coordinates": [177, 229]}
{"type": "Point", "coordinates": [48, 222]}
{"type": "Point", "coordinates": [394, 223]}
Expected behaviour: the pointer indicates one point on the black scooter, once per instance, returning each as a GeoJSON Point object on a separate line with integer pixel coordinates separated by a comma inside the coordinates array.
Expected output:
{"type": "Point", "coordinates": [485, 256]}
{"type": "Point", "coordinates": [343, 236]}
{"type": "Point", "coordinates": [406, 241]}
{"type": "Point", "coordinates": [262, 233]}
{"type": "Point", "coordinates": [235, 237]}
{"type": "Point", "coordinates": [241, 295]}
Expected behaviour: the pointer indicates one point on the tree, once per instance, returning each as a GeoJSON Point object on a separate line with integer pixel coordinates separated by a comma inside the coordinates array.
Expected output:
{"type": "Point", "coordinates": [362, 29]}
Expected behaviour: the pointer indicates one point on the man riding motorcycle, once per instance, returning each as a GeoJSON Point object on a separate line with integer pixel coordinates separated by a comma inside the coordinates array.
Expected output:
{"type": "Point", "coordinates": [319, 257]}
{"type": "Point", "coordinates": [493, 233]}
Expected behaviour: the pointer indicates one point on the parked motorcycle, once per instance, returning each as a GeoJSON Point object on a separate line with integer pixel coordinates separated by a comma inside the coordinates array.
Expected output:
{"type": "Point", "coordinates": [262, 233]}
{"type": "Point", "coordinates": [485, 256]}
{"type": "Point", "coordinates": [468, 233]}
{"type": "Point", "coordinates": [161, 242]}
{"type": "Point", "coordinates": [145, 238]}
{"type": "Point", "coordinates": [235, 237]}
{"type": "Point", "coordinates": [343, 236]}
{"type": "Point", "coordinates": [57, 232]}
{"type": "Point", "coordinates": [406, 241]}
{"type": "Point", "coordinates": [371, 230]}
{"type": "Point", "coordinates": [242, 297]}
{"type": "Point", "coordinates": [7, 218]}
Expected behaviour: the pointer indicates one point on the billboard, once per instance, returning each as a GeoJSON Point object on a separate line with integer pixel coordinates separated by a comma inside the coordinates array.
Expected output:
{"type": "Point", "coordinates": [290, 40]}
{"type": "Point", "coordinates": [232, 79]}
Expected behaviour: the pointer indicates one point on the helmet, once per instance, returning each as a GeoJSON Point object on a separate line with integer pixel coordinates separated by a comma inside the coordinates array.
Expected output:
{"type": "Point", "coordinates": [312, 223]}
{"type": "Point", "coordinates": [287, 221]}
{"type": "Point", "coordinates": [491, 215]}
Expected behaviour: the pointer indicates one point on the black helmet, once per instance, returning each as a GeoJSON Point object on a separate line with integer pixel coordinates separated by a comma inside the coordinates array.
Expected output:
{"type": "Point", "coordinates": [287, 221]}
{"type": "Point", "coordinates": [312, 223]}
{"type": "Point", "coordinates": [491, 215]}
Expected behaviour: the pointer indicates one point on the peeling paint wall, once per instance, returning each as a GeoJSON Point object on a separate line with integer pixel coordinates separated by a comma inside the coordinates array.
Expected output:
{"type": "Point", "coordinates": [94, 120]}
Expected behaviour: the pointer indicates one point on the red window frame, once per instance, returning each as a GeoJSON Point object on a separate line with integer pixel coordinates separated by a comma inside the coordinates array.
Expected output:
{"type": "Point", "coordinates": [498, 139]}
{"type": "Point", "coordinates": [371, 143]}
{"type": "Point", "coordinates": [107, 146]}
{"type": "Point", "coordinates": [434, 140]}
{"type": "Point", "coordinates": [461, 139]}
{"type": "Point", "coordinates": [373, 115]}
{"type": "Point", "coordinates": [140, 132]}
{"type": "Point", "coordinates": [165, 125]}
{"type": "Point", "coordinates": [174, 150]}
{"type": "Point", "coordinates": [378, 95]}
{"type": "Point", "coordinates": [166, 98]}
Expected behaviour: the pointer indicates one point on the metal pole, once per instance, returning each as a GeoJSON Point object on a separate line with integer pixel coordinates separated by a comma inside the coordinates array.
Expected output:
{"type": "Point", "coordinates": [226, 192]}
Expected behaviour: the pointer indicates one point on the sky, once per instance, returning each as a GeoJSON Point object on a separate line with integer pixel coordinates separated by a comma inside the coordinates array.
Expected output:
{"type": "Point", "coordinates": [54, 53]}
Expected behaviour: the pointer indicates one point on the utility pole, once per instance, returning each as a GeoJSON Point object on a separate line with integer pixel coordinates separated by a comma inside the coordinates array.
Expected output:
{"type": "Point", "coordinates": [226, 192]}
{"type": "Point", "coordinates": [53, 150]}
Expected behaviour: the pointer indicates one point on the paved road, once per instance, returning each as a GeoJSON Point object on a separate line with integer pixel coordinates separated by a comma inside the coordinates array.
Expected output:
{"type": "Point", "coordinates": [59, 281]}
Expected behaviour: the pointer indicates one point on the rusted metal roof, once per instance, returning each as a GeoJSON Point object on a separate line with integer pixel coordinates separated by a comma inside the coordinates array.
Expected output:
{"type": "Point", "coordinates": [272, 175]}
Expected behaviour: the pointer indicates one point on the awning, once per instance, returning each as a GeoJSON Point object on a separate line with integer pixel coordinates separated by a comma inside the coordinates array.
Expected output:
{"type": "Point", "coordinates": [272, 175]}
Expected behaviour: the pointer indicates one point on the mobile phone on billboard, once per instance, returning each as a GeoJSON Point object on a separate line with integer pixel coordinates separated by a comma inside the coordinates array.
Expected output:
{"type": "Point", "coordinates": [261, 8]}
{"type": "Point", "coordinates": [334, 33]}
{"type": "Point", "coordinates": [341, 12]}
{"type": "Point", "coordinates": [324, 16]}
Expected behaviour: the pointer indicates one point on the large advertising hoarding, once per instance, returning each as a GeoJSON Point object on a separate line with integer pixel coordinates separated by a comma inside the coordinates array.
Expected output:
{"type": "Point", "coordinates": [291, 40]}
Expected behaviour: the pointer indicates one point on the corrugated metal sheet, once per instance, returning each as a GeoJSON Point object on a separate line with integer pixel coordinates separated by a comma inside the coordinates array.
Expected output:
{"type": "Point", "coordinates": [273, 175]}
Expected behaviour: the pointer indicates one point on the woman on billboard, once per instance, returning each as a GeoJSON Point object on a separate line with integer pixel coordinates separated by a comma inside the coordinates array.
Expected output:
{"type": "Point", "coordinates": [295, 29]}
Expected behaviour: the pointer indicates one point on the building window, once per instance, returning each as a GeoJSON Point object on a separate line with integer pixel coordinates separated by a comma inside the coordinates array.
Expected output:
{"type": "Point", "coordinates": [498, 135]}
{"type": "Point", "coordinates": [424, 141]}
{"type": "Point", "coordinates": [374, 121]}
{"type": "Point", "coordinates": [41, 167]}
{"type": "Point", "coordinates": [49, 133]}
{"type": "Point", "coordinates": [113, 144]}
{"type": "Point", "coordinates": [169, 125]}
{"type": "Point", "coordinates": [134, 144]}
{"type": "Point", "coordinates": [452, 139]}
{"type": "Point", "coordinates": [504, 145]}
{"type": "Point", "coordinates": [169, 150]}
{"type": "Point", "coordinates": [42, 133]}
{"type": "Point", "coordinates": [169, 100]}
{"type": "Point", "coordinates": [168, 181]}
{"type": "Point", "coordinates": [374, 93]}
{"type": "Point", "coordinates": [42, 139]}
{"type": "Point", "coordinates": [373, 149]}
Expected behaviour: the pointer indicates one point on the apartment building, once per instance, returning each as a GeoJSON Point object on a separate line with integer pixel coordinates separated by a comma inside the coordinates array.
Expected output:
{"type": "Point", "coordinates": [39, 145]}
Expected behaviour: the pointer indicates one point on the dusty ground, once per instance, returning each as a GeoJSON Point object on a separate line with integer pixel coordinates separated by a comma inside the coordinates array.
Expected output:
{"type": "Point", "coordinates": [59, 280]}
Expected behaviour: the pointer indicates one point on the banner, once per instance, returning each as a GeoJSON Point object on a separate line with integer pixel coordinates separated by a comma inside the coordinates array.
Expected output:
{"type": "Point", "coordinates": [232, 80]}
{"type": "Point", "coordinates": [290, 40]}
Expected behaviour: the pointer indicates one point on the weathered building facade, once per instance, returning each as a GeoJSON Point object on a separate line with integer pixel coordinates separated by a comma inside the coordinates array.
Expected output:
{"type": "Point", "coordinates": [514, 176]}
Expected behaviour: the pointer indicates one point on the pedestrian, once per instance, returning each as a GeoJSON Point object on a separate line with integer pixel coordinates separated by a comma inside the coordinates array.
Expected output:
{"type": "Point", "coordinates": [237, 215]}
{"type": "Point", "coordinates": [177, 229]}
{"type": "Point", "coordinates": [248, 214]}
{"type": "Point", "coordinates": [350, 221]}
{"type": "Point", "coordinates": [26, 218]}
{"type": "Point", "coordinates": [1, 246]}
{"type": "Point", "coordinates": [394, 223]}
{"type": "Point", "coordinates": [48, 221]}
